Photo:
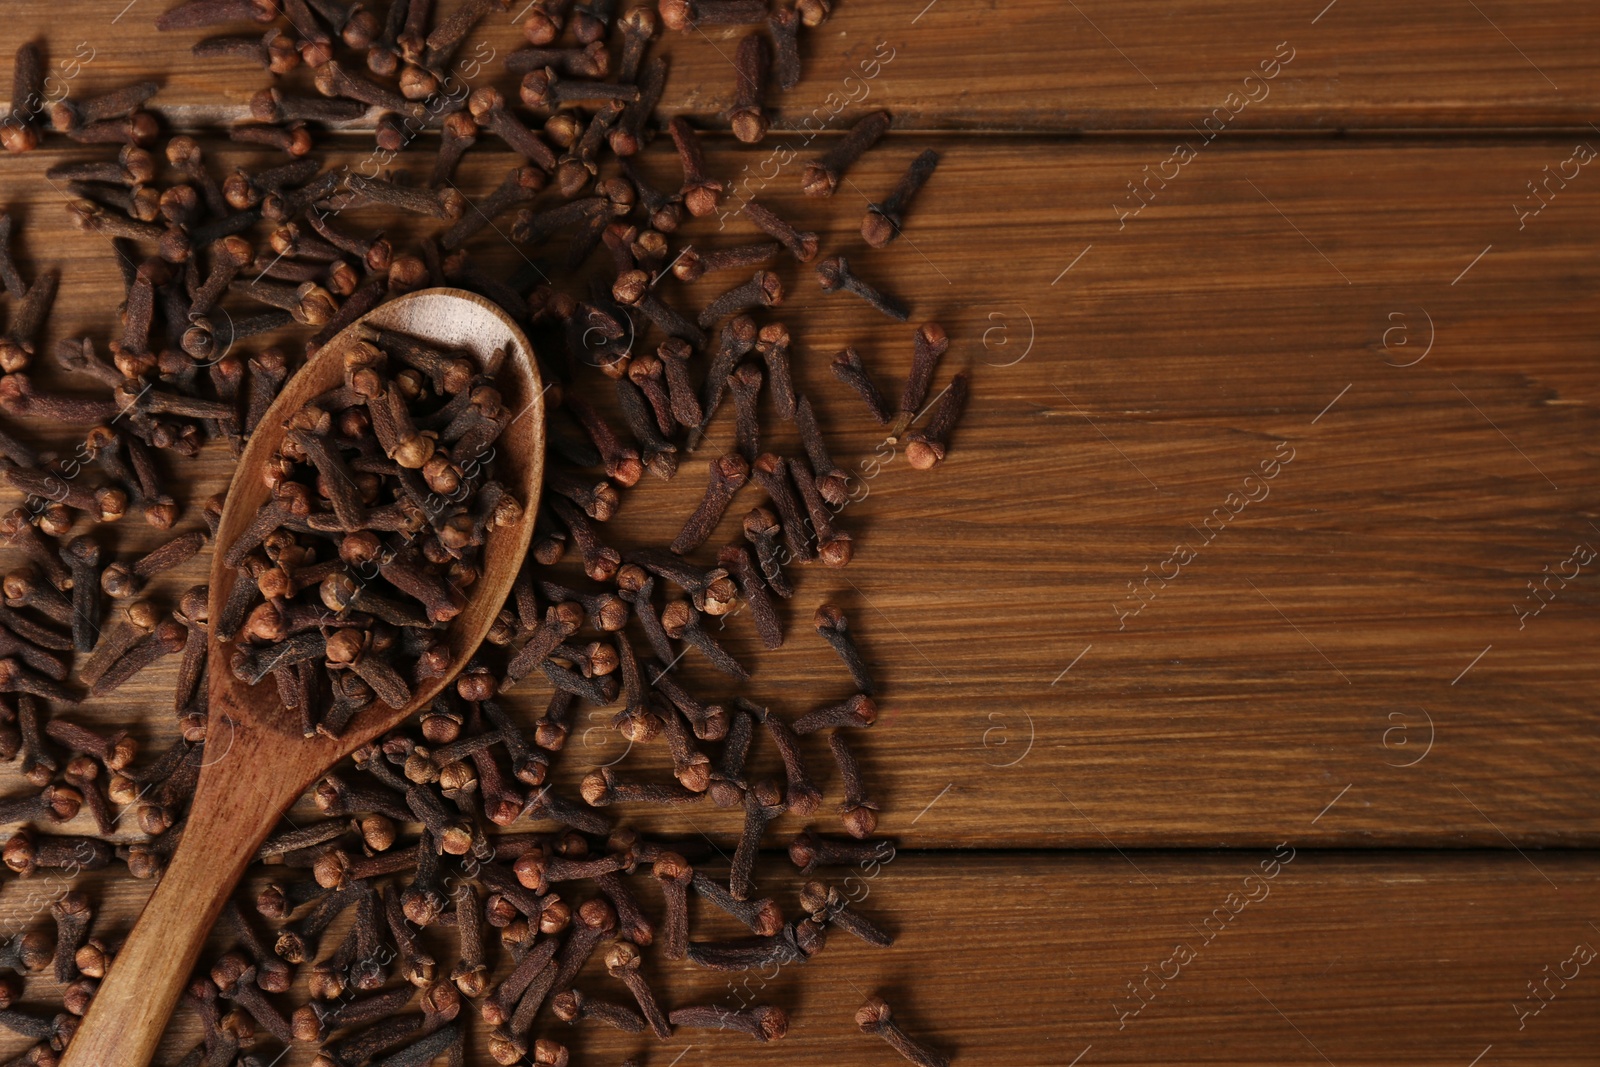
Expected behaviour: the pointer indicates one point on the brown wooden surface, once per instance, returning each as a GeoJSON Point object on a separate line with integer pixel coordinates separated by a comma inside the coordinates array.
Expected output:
{"type": "Point", "coordinates": [1036, 65]}
{"type": "Point", "coordinates": [1394, 544]}
{"type": "Point", "coordinates": [1341, 666]}
{"type": "Point", "coordinates": [1365, 958]}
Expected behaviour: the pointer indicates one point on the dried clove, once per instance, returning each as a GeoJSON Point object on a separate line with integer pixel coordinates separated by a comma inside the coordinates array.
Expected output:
{"type": "Point", "coordinates": [848, 368]}
{"type": "Point", "coordinates": [764, 1022]}
{"type": "Point", "coordinates": [834, 274]}
{"type": "Point", "coordinates": [884, 219]}
{"type": "Point", "coordinates": [930, 343]}
{"type": "Point", "coordinates": [859, 812]}
{"type": "Point", "coordinates": [874, 1017]}
{"type": "Point", "coordinates": [925, 448]}
{"type": "Point", "coordinates": [750, 65]}
{"type": "Point", "coordinates": [822, 175]}
{"type": "Point", "coordinates": [727, 474]}
{"type": "Point", "coordinates": [834, 628]}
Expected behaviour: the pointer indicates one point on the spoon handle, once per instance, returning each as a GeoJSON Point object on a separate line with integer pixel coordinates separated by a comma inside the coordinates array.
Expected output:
{"type": "Point", "coordinates": [232, 813]}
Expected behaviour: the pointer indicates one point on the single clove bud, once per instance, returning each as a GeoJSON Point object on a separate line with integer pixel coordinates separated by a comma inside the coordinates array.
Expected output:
{"type": "Point", "coordinates": [488, 109]}
{"type": "Point", "coordinates": [822, 175]}
{"type": "Point", "coordinates": [72, 915]}
{"type": "Point", "coordinates": [745, 385]}
{"type": "Point", "coordinates": [446, 203]}
{"type": "Point", "coordinates": [197, 14]}
{"type": "Point", "coordinates": [834, 546]}
{"type": "Point", "coordinates": [848, 368]}
{"type": "Point", "coordinates": [82, 557]}
{"type": "Point", "coordinates": [763, 917]}
{"type": "Point", "coordinates": [294, 141]}
{"type": "Point", "coordinates": [763, 802]}
{"type": "Point", "coordinates": [691, 264]}
{"type": "Point", "coordinates": [637, 27]}
{"type": "Point", "coordinates": [858, 711]}
{"type": "Point", "coordinates": [761, 529]}
{"type": "Point", "coordinates": [622, 963]}
{"type": "Point", "coordinates": [602, 788]}
{"type": "Point", "coordinates": [647, 372]}
{"type": "Point", "coordinates": [633, 288]}
{"type": "Point", "coordinates": [124, 580]}
{"type": "Point", "coordinates": [19, 129]}
{"type": "Point", "coordinates": [874, 1017]}
{"type": "Point", "coordinates": [828, 905]}
{"type": "Point", "coordinates": [750, 66]}
{"type": "Point", "coordinates": [675, 354]}
{"type": "Point", "coordinates": [858, 812]}
{"type": "Point", "coordinates": [833, 628]}
{"type": "Point", "coordinates": [681, 15]}
{"type": "Point", "coordinates": [572, 1005]}
{"type": "Point", "coordinates": [832, 482]}
{"type": "Point", "coordinates": [542, 89]}
{"type": "Point", "coordinates": [784, 23]}
{"type": "Point", "coordinates": [763, 290]}
{"type": "Point", "coordinates": [764, 1022]}
{"type": "Point", "coordinates": [700, 193]}
{"type": "Point", "coordinates": [727, 474]}
{"type": "Point", "coordinates": [674, 874]}
{"type": "Point", "coordinates": [793, 944]}
{"type": "Point", "coordinates": [588, 61]}
{"type": "Point", "coordinates": [708, 721]}
{"type": "Point", "coordinates": [883, 220]}
{"type": "Point", "coordinates": [930, 343]}
{"type": "Point", "coordinates": [803, 245]}
{"type": "Point", "coordinates": [925, 448]}
{"type": "Point", "coordinates": [834, 275]}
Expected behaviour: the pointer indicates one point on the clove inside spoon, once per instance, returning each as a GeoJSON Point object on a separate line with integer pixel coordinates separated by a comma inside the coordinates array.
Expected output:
{"type": "Point", "coordinates": [257, 762]}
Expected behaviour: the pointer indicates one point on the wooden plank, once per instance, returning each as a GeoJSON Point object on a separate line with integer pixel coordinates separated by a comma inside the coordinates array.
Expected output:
{"type": "Point", "coordinates": [1269, 956]}
{"type": "Point", "coordinates": [1395, 543]}
{"type": "Point", "coordinates": [1317, 641]}
{"type": "Point", "coordinates": [1371, 587]}
{"type": "Point", "coordinates": [1033, 64]}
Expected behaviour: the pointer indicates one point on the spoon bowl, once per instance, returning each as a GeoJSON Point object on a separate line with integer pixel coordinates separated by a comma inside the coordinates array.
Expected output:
{"type": "Point", "coordinates": [257, 761]}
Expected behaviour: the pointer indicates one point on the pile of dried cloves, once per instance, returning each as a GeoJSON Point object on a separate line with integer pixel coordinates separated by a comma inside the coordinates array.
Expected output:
{"type": "Point", "coordinates": [391, 476]}
{"type": "Point", "coordinates": [455, 871]}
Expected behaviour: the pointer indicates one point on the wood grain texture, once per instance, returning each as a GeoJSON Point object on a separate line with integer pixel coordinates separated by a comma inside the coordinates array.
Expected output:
{"type": "Point", "coordinates": [1032, 65]}
{"type": "Point", "coordinates": [1341, 663]}
{"type": "Point", "coordinates": [1311, 640]}
{"type": "Point", "coordinates": [1027, 959]}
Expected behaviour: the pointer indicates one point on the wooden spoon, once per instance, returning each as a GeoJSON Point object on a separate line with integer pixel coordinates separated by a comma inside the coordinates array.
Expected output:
{"type": "Point", "coordinates": [257, 761]}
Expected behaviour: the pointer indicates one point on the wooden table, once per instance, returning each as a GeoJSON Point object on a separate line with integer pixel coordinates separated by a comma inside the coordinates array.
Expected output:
{"type": "Point", "coordinates": [1283, 418]}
